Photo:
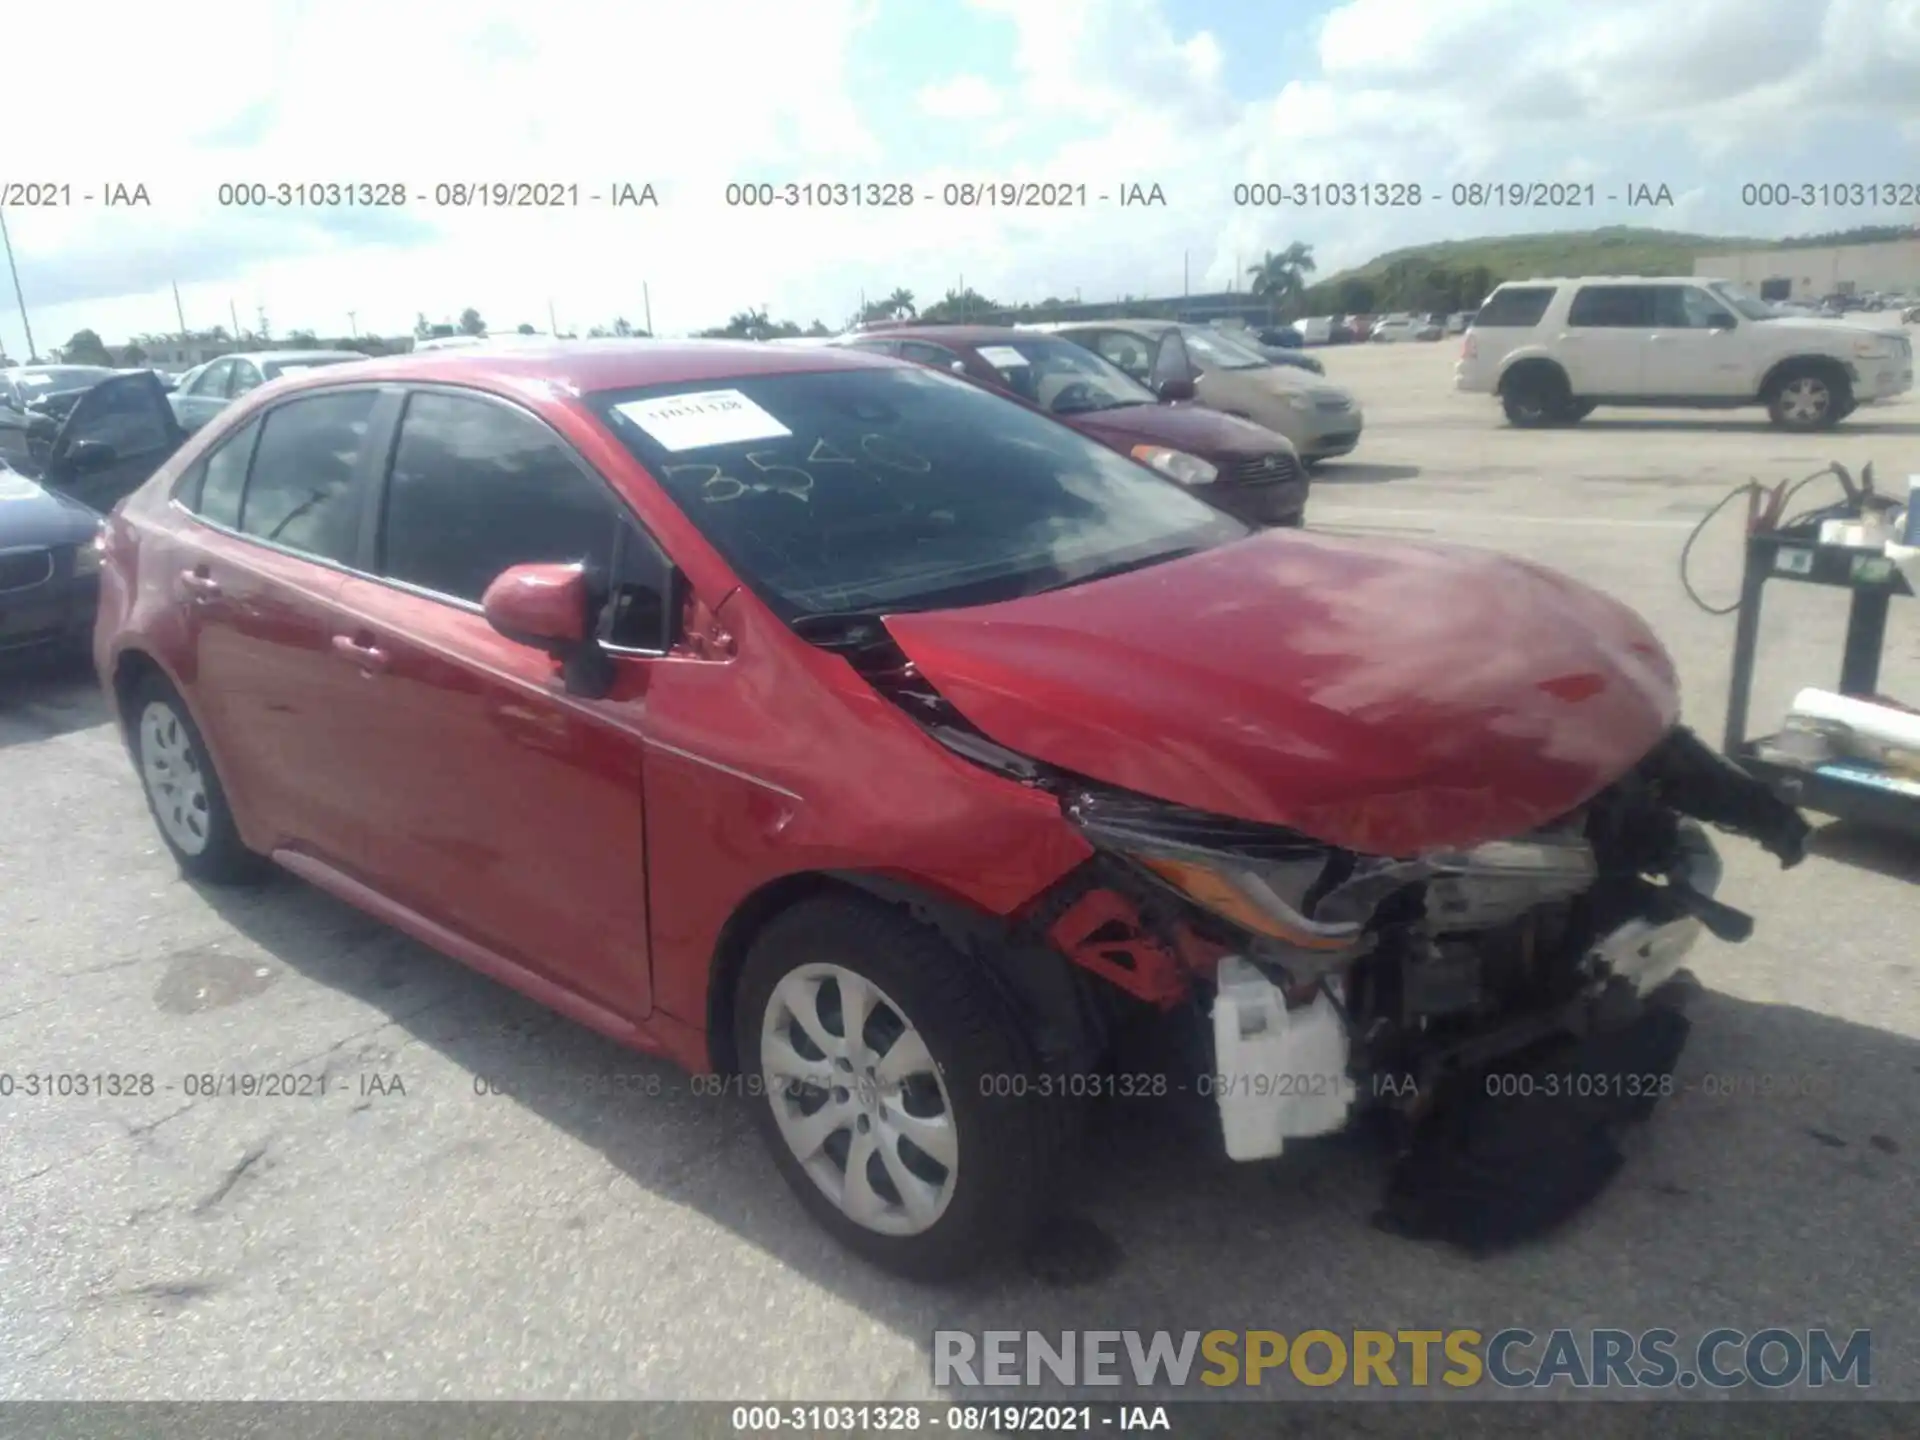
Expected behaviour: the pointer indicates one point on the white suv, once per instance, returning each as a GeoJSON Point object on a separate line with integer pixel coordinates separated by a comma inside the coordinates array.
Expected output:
{"type": "Point", "coordinates": [1554, 349]}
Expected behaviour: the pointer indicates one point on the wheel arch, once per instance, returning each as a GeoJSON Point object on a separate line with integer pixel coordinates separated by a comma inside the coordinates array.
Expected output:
{"type": "Point", "coordinates": [133, 666]}
{"type": "Point", "coordinates": [1037, 982]}
{"type": "Point", "coordinates": [1524, 365]}
{"type": "Point", "coordinates": [1779, 370]}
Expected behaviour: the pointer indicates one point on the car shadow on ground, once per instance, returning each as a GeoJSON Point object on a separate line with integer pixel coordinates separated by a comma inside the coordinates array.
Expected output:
{"type": "Point", "coordinates": [1864, 847]}
{"type": "Point", "coordinates": [1785, 1161]}
{"type": "Point", "coordinates": [1347, 472]}
{"type": "Point", "coordinates": [42, 696]}
{"type": "Point", "coordinates": [1856, 425]}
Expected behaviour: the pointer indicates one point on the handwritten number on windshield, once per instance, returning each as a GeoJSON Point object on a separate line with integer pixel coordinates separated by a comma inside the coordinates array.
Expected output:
{"type": "Point", "coordinates": [883, 450]}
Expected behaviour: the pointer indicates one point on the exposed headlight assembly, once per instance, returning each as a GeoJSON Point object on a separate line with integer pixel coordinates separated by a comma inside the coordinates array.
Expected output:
{"type": "Point", "coordinates": [1316, 898]}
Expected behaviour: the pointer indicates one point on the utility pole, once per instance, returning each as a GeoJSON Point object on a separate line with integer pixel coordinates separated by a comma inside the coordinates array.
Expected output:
{"type": "Point", "coordinates": [1186, 274]}
{"type": "Point", "coordinates": [261, 311]}
{"type": "Point", "coordinates": [19, 297]}
{"type": "Point", "coordinates": [353, 324]}
{"type": "Point", "coordinates": [553, 325]}
{"type": "Point", "coordinates": [646, 302]}
{"type": "Point", "coordinates": [233, 314]}
{"type": "Point", "coordinates": [179, 310]}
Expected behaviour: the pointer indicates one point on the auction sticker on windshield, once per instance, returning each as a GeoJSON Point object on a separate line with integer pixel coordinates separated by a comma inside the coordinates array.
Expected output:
{"type": "Point", "coordinates": [1002, 355]}
{"type": "Point", "coordinates": [710, 417]}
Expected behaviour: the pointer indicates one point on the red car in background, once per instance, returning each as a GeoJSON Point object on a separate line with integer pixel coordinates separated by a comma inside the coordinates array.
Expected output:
{"type": "Point", "coordinates": [1242, 468]}
{"type": "Point", "coordinates": [827, 720]}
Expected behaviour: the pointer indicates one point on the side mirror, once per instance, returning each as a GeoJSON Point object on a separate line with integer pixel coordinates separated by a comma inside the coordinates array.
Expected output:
{"type": "Point", "coordinates": [1177, 388]}
{"type": "Point", "coordinates": [85, 455]}
{"type": "Point", "coordinates": [958, 367]}
{"type": "Point", "coordinates": [544, 606]}
{"type": "Point", "coordinates": [549, 607]}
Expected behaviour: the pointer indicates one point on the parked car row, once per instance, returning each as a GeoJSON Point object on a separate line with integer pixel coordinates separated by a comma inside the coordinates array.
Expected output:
{"type": "Point", "coordinates": [1400, 325]}
{"type": "Point", "coordinates": [1249, 471]}
{"type": "Point", "coordinates": [871, 732]}
{"type": "Point", "coordinates": [1322, 421]}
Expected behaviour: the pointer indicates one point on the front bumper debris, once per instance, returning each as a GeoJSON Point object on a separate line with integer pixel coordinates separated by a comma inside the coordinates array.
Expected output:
{"type": "Point", "coordinates": [1279, 1074]}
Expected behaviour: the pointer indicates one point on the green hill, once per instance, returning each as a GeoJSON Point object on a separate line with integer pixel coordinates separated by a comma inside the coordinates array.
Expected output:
{"type": "Point", "coordinates": [1457, 274]}
{"type": "Point", "coordinates": [1612, 250]}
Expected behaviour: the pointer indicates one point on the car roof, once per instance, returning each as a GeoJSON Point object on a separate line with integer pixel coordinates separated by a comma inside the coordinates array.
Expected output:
{"type": "Point", "coordinates": [581, 367]}
{"type": "Point", "coordinates": [1125, 324]}
{"type": "Point", "coordinates": [955, 334]}
{"type": "Point", "coordinates": [1619, 280]}
{"type": "Point", "coordinates": [284, 355]}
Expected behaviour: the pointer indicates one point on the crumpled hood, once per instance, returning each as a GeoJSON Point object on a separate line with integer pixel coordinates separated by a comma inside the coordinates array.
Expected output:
{"type": "Point", "coordinates": [1389, 697]}
{"type": "Point", "coordinates": [1192, 428]}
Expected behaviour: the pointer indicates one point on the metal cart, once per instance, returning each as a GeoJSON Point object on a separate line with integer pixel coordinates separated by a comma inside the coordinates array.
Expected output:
{"type": "Point", "coordinates": [1874, 581]}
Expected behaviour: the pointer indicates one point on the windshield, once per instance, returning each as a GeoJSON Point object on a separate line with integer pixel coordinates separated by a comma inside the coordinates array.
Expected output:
{"type": "Point", "coordinates": [1218, 352]}
{"type": "Point", "coordinates": [899, 488]}
{"type": "Point", "coordinates": [1745, 303]}
{"type": "Point", "coordinates": [1062, 378]}
{"type": "Point", "coordinates": [35, 383]}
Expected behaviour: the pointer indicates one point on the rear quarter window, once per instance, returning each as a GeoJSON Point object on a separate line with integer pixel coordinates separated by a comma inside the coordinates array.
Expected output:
{"type": "Point", "coordinates": [1517, 307]}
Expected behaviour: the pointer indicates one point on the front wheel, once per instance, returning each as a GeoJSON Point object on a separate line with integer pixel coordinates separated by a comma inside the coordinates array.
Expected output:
{"type": "Point", "coordinates": [900, 1098]}
{"type": "Point", "coordinates": [1808, 398]}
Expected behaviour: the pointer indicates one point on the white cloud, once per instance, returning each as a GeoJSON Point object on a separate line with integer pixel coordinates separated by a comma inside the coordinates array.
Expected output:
{"type": "Point", "coordinates": [1101, 93]}
{"type": "Point", "coordinates": [964, 97]}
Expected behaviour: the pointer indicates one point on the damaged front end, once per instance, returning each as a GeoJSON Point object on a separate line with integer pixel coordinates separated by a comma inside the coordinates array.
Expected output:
{"type": "Point", "coordinates": [1464, 993]}
{"type": "Point", "coordinates": [1313, 983]}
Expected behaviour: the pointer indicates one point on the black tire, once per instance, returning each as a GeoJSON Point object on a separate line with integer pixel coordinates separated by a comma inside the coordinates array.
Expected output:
{"type": "Point", "coordinates": [1535, 398]}
{"type": "Point", "coordinates": [1008, 1146]}
{"type": "Point", "coordinates": [224, 859]}
{"type": "Point", "coordinates": [1576, 411]}
{"type": "Point", "coordinates": [1809, 396]}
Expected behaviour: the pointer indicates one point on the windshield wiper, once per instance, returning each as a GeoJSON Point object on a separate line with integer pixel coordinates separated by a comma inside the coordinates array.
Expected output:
{"type": "Point", "coordinates": [1120, 567]}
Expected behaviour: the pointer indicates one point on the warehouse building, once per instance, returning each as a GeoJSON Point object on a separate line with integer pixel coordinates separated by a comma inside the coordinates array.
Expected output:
{"type": "Point", "coordinates": [1817, 271]}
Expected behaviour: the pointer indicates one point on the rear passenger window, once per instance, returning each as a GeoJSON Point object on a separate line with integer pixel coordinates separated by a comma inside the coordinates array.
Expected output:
{"type": "Point", "coordinates": [300, 493]}
{"type": "Point", "coordinates": [223, 475]}
{"type": "Point", "coordinates": [1517, 307]}
{"type": "Point", "coordinates": [478, 488]}
{"type": "Point", "coordinates": [1613, 306]}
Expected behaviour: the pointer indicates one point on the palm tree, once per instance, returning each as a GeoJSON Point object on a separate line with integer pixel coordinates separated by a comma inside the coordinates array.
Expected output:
{"type": "Point", "coordinates": [900, 305]}
{"type": "Point", "coordinates": [1280, 277]}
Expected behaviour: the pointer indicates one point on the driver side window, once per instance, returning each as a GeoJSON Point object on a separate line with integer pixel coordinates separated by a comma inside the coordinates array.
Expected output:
{"type": "Point", "coordinates": [1128, 352]}
{"type": "Point", "coordinates": [246, 376]}
{"type": "Point", "coordinates": [1691, 308]}
{"type": "Point", "coordinates": [212, 381]}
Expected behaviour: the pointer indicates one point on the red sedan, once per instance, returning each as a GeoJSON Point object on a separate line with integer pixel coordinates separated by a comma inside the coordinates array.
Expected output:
{"type": "Point", "coordinates": [826, 720]}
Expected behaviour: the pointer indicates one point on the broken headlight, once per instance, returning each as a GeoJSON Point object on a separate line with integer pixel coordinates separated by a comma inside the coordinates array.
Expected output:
{"type": "Point", "coordinates": [1318, 898]}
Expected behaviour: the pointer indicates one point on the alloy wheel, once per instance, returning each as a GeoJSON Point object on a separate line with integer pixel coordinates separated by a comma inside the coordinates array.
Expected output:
{"type": "Point", "coordinates": [1804, 400]}
{"type": "Point", "coordinates": [175, 782]}
{"type": "Point", "coordinates": [859, 1100]}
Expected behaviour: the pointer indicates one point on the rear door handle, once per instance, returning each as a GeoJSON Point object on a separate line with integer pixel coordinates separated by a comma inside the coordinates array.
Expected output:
{"type": "Point", "coordinates": [361, 650]}
{"type": "Point", "coordinates": [199, 585]}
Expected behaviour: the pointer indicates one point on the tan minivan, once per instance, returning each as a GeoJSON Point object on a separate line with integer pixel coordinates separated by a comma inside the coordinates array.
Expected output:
{"type": "Point", "coordinates": [1323, 420]}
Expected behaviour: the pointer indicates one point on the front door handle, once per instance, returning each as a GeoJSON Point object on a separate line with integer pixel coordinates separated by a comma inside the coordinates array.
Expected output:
{"type": "Point", "coordinates": [361, 650]}
{"type": "Point", "coordinates": [199, 585]}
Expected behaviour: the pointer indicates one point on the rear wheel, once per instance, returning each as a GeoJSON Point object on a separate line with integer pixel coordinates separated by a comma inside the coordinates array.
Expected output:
{"type": "Point", "coordinates": [1536, 397]}
{"type": "Point", "coordinates": [899, 1097]}
{"type": "Point", "coordinates": [1808, 397]}
{"type": "Point", "coordinates": [184, 793]}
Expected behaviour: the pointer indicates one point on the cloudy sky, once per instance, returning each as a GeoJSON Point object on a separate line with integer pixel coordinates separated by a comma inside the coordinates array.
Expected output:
{"type": "Point", "coordinates": [1195, 96]}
